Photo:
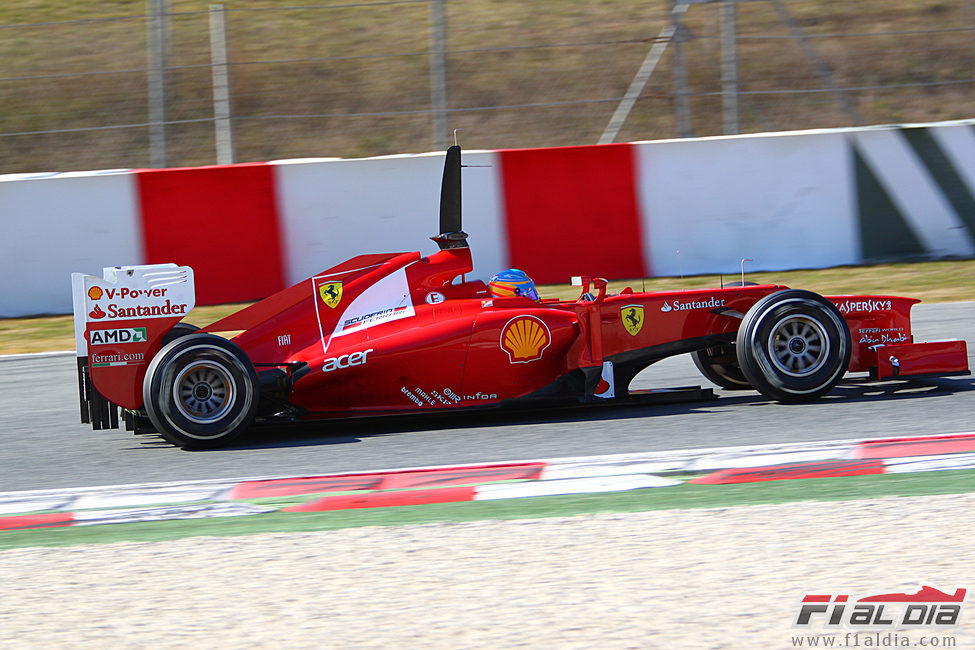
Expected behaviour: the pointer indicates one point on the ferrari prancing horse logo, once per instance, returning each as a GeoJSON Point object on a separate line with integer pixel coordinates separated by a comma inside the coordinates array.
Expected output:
{"type": "Point", "coordinates": [331, 293]}
{"type": "Point", "coordinates": [632, 318]}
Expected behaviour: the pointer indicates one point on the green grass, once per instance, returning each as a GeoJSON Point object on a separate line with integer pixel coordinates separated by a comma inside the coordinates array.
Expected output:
{"type": "Point", "coordinates": [678, 497]}
{"type": "Point", "coordinates": [948, 281]}
{"type": "Point", "coordinates": [339, 67]}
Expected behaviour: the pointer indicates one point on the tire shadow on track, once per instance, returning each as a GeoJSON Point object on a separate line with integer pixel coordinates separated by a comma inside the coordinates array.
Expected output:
{"type": "Point", "coordinates": [342, 432]}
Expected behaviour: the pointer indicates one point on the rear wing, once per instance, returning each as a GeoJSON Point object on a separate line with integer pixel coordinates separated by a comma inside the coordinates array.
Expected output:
{"type": "Point", "coordinates": [119, 322]}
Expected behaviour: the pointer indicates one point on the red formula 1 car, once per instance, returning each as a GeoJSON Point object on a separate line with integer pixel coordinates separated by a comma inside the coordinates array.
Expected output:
{"type": "Point", "coordinates": [406, 333]}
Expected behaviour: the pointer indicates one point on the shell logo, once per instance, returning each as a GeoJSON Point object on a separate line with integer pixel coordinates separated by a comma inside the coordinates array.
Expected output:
{"type": "Point", "coordinates": [525, 338]}
{"type": "Point", "coordinates": [95, 293]}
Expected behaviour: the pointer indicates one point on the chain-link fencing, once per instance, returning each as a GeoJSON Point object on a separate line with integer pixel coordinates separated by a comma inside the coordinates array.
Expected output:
{"type": "Point", "coordinates": [181, 82]}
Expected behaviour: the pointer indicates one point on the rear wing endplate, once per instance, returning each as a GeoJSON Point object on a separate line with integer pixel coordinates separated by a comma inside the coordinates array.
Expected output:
{"type": "Point", "coordinates": [119, 321]}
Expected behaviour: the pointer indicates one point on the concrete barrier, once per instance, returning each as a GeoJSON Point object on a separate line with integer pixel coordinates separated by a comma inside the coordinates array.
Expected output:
{"type": "Point", "coordinates": [58, 224]}
{"type": "Point", "coordinates": [781, 200]}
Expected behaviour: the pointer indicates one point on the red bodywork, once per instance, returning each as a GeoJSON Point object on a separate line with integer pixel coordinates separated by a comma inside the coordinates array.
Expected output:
{"type": "Point", "coordinates": [464, 348]}
{"type": "Point", "coordinates": [397, 333]}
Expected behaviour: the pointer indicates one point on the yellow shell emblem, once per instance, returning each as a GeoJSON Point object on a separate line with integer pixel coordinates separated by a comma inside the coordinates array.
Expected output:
{"type": "Point", "coordinates": [632, 316]}
{"type": "Point", "coordinates": [525, 338]}
{"type": "Point", "coordinates": [330, 293]}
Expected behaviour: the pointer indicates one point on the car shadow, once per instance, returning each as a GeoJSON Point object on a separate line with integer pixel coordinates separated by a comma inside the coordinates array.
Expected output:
{"type": "Point", "coordinates": [331, 432]}
{"type": "Point", "coordinates": [342, 432]}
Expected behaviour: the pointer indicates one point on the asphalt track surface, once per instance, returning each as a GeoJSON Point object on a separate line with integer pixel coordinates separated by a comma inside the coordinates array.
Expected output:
{"type": "Point", "coordinates": [43, 445]}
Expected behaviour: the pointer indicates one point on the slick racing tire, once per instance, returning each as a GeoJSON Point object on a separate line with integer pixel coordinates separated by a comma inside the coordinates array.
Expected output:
{"type": "Point", "coordinates": [719, 365]}
{"type": "Point", "coordinates": [793, 346]}
{"type": "Point", "coordinates": [200, 391]}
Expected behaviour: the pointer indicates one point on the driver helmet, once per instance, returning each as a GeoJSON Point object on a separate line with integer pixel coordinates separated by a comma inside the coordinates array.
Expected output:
{"type": "Point", "coordinates": [512, 282]}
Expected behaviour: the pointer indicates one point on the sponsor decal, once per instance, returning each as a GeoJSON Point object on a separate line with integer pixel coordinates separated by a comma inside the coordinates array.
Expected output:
{"type": "Point", "coordinates": [117, 359]}
{"type": "Point", "coordinates": [127, 293]}
{"type": "Point", "coordinates": [479, 397]}
{"type": "Point", "coordinates": [346, 360]}
{"type": "Point", "coordinates": [686, 305]}
{"type": "Point", "coordinates": [883, 339]}
{"type": "Point", "coordinates": [632, 316]}
{"type": "Point", "coordinates": [882, 335]}
{"type": "Point", "coordinates": [140, 311]}
{"type": "Point", "coordinates": [472, 397]}
{"type": "Point", "coordinates": [154, 309]}
{"type": "Point", "coordinates": [122, 335]}
{"type": "Point", "coordinates": [413, 398]}
{"type": "Point", "coordinates": [853, 306]}
{"type": "Point", "coordinates": [386, 300]}
{"type": "Point", "coordinates": [284, 339]}
{"type": "Point", "coordinates": [435, 297]}
{"type": "Point", "coordinates": [331, 293]}
{"type": "Point", "coordinates": [390, 313]}
{"type": "Point", "coordinates": [525, 338]}
{"type": "Point", "coordinates": [419, 392]}
{"type": "Point", "coordinates": [443, 397]}
{"type": "Point", "coordinates": [927, 607]}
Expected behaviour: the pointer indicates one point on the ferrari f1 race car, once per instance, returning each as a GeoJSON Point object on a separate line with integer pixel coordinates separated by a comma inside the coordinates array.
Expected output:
{"type": "Point", "coordinates": [395, 334]}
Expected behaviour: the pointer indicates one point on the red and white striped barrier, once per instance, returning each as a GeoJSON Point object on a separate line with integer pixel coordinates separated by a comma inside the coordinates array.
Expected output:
{"type": "Point", "coordinates": [417, 486]}
{"type": "Point", "coordinates": [785, 200]}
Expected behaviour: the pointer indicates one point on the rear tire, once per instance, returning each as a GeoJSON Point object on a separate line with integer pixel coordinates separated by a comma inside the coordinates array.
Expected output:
{"type": "Point", "coordinates": [793, 346]}
{"type": "Point", "coordinates": [200, 391]}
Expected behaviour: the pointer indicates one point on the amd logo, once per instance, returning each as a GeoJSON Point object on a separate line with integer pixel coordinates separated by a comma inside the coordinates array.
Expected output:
{"type": "Point", "coordinates": [116, 336]}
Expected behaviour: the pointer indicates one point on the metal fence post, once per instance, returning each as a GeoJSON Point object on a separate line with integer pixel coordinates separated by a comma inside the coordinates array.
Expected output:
{"type": "Point", "coordinates": [729, 67]}
{"type": "Point", "coordinates": [682, 104]}
{"type": "Point", "coordinates": [221, 87]}
{"type": "Point", "coordinates": [438, 73]}
{"type": "Point", "coordinates": [156, 65]}
{"type": "Point", "coordinates": [819, 64]}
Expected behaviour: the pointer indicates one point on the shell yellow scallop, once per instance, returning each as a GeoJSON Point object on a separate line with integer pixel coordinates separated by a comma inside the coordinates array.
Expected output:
{"type": "Point", "coordinates": [525, 338]}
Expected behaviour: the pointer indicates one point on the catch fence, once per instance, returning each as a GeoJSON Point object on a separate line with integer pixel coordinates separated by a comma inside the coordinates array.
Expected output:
{"type": "Point", "coordinates": [180, 82]}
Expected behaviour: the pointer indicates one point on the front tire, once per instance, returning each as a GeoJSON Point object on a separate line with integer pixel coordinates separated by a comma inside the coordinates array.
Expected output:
{"type": "Point", "coordinates": [200, 391]}
{"type": "Point", "coordinates": [793, 346]}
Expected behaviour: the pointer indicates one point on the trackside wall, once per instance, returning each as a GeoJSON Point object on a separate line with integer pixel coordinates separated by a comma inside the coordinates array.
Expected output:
{"type": "Point", "coordinates": [332, 210]}
{"type": "Point", "coordinates": [60, 223]}
{"type": "Point", "coordinates": [786, 200]}
{"type": "Point", "coordinates": [783, 201]}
